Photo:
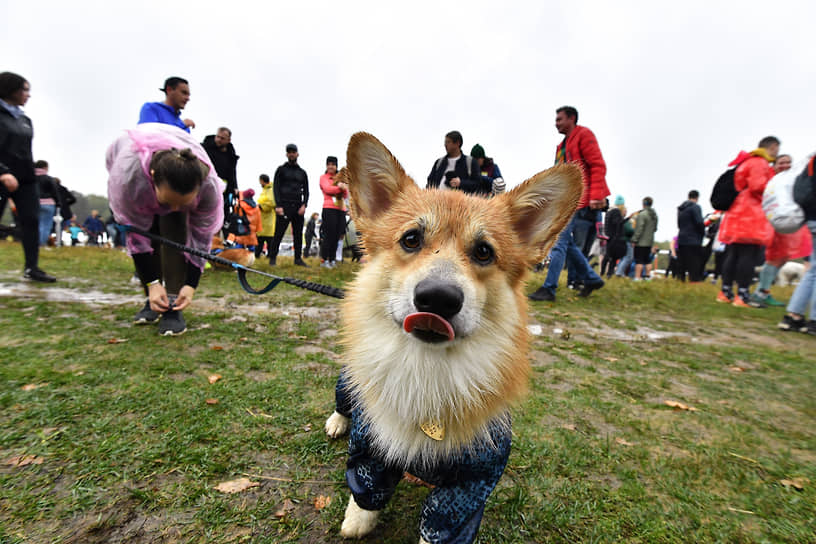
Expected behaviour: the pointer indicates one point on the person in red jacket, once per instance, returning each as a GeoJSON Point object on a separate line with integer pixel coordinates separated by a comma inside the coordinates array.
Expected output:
{"type": "Point", "coordinates": [334, 213]}
{"type": "Point", "coordinates": [581, 147]}
{"type": "Point", "coordinates": [744, 227]}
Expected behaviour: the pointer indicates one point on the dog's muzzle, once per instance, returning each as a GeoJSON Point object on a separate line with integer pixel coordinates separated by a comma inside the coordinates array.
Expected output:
{"type": "Point", "coordinates": [437, 302]}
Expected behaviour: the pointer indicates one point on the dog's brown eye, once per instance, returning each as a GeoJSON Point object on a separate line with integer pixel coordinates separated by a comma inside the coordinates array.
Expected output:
{"type": "Point", "coordinates": [411, 240]}
{"type": "Point", "coordinates": [483, 253]}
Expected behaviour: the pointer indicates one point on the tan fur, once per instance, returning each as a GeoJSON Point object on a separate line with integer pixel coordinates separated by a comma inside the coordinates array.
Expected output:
{"type": "Point", "coordinates": [402, 381]}
{"type": "Point", "coordinates": [241, 256]}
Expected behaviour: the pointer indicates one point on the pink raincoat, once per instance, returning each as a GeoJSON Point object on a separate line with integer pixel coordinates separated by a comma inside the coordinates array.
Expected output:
{"type": "Point", "coordinates": [132, 196]}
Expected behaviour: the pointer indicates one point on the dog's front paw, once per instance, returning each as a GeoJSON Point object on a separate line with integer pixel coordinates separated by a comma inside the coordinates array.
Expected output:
{"type": "Point", "coordinates": [358, 522]}
{"type": "Point", "coordinates": [337, 425]}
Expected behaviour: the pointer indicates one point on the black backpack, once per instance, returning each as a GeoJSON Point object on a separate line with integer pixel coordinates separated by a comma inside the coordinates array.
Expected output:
{"type": "Point", "coordinates": [237, 222]}
{"type": "Point", "coordinates": [804, 192]}
{"type": "Point", "coordinates": [724, 193]}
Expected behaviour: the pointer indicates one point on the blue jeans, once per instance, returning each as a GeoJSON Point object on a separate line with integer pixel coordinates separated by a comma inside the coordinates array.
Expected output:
{"type": "Point", "coordinates": [626, 262]}
{"type": "Point", "coordinates": [583, 234]}
{"type": "Point", "coordinates": [46, 221]}
{"type": "Point", "coordinates": [566, 249]}
{"type": "Point", "coordinates": [804, 296]}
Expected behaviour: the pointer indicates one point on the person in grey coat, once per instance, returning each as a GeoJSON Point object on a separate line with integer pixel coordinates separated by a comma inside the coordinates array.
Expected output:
{"type": "Point", "coordinates": [643, 238]}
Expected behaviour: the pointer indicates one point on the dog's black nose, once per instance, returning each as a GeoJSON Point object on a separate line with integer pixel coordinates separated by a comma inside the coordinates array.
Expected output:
{"type": "Point", "coordinates": [438, 297]}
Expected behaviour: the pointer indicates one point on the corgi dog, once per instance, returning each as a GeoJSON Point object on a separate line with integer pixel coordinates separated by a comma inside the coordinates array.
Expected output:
{"type": "Point", "coordinates": [435, 336]}
{"type": "Point", "coordinates": [241, 256]}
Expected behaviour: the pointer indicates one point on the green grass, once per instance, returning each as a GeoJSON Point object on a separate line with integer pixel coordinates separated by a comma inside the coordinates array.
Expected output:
{"type": "Point", "coordinates": [131, 451]}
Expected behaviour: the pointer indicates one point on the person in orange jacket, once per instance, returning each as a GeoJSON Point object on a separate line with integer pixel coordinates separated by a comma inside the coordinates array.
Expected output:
{"type": "Point", "coordinates": [253, 213]}
{"type": "Point", "coordinates": [744, 227]}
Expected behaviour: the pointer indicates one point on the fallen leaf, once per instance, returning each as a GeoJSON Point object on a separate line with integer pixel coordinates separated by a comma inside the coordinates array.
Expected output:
{"type": "Point", "coordinates": [24, 460]}
{"type": "Point", "coordinates": [740, 510]}
{"type": "Point", "coordinates": [236, 486]}
{"type": "Point", "coordinates": [217, 348]}
{"type": "Point", "coordinates": [33, 386]}
{"type": "Point", "coordinates": [117, 340]}
{"type": "Point", "coordinates": [679, 405]}
{"type": "Point", "coordinates": [322, 502]}
{"type": "Point", "coordinates": [736, 369]}
{"type": "Point", "coordinates": [211, 401]}
{"type": "Point", "coordinates": [285, 508]}
{"type": "Point", "coordinates": [797, 483]}
{"type": "Point", "coordinates": [413, 480]}
{"type": "Point", "coordinates": [308, 427]}
{"type": "Point", "coordinates": [243, 339]}
{"type": "Point", "coordinates": [622, 442]}
{"type": "Point", "coordinates": [212, 378]}
{"type": "Point", "coordinates": [611, 359]}
{"type": "Point", "coordinates": [569, 427]}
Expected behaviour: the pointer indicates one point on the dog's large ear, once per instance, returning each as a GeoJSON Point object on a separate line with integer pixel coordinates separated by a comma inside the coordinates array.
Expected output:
{"type": "Point", "coordinates": [374, 176]}
{"type": "Point", "coordinates": [542, 206]}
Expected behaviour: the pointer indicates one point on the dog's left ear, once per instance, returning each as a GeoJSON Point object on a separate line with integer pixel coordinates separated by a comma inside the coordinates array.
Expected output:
{"type": "Point", "coordinates": [542, 206]}
{"type": "Point", "coordinates": [374, 176]}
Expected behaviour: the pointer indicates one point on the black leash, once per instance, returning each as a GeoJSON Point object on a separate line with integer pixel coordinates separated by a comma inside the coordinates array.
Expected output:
{"type": "Point", "coordinates": [241, 269]}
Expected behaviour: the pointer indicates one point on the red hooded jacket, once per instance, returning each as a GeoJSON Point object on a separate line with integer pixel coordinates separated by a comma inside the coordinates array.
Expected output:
{"type": "Point", "coordinates": [745, 222]}
{"type": "Point", "coordinates": [582, 148]}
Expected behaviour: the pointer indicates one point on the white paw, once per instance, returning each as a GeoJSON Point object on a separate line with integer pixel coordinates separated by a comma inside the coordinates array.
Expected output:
{"type": "Point", "coordinates": [422, 541]}
{"type": "Point", "coordinates": [337, 425]}
{"type": "Point", "coordinates": [358, 522]}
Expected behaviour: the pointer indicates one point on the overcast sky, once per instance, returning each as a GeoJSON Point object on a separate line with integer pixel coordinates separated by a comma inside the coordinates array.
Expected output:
{"type": "Point", "coordinates": [672, 90]}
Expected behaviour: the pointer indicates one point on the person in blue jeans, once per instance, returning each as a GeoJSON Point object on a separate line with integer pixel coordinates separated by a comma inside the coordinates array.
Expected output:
{"type": "Point", "coordinates": [580, 147]}
{"type": "Point", "coordinates": [567, 249]}
{"type": "Point", "coordinates": [803, 301]}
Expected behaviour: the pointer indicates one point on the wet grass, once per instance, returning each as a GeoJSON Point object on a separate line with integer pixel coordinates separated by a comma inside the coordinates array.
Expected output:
{"type": "Point", "coordinates": [127, 449]}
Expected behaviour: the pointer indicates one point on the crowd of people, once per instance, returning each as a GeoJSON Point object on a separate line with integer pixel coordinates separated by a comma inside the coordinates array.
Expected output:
{"type": "Point", "coordinates": [164, 181]}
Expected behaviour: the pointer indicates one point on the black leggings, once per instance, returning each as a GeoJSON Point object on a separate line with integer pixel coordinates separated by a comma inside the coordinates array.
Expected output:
{"type": "Point", "coordinates": [740, 260]}
{"type": "Point", "coordinates": [170, 261]}
{"type": "Point", "coordinates": [27, 201]}
{"type": "Point", "coordinates": [334, 226]}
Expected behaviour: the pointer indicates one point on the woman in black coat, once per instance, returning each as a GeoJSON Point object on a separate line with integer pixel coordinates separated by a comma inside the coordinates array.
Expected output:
{"type": "Point", "coordinates": [17, 180]}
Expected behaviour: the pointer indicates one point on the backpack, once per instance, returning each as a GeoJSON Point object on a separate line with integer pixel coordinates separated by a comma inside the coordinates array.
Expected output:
{"type": "Point", "coordinates": [724, 193]}
{"type": "Point", "coordinates": [779, 203]}
{"type": "Point", "coordinates": [804, 193]}
{"type": "Point", "coordinates": [236, 222]}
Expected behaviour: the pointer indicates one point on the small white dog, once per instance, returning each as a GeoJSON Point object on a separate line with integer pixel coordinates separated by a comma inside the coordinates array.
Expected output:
{"type": "Point", "coordinates": [789, 273]}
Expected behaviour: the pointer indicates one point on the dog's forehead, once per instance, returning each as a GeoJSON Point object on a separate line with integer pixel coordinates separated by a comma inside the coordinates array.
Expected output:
{"type": "Point", "coordinates": [452, 213]}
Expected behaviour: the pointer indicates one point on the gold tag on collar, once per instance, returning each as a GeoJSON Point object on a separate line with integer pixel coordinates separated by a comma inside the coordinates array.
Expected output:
{"type": "Point", "coordinates": [436, 431]}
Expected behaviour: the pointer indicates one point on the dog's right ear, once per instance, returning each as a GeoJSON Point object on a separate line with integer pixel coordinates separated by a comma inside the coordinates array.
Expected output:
{"type": "Point", "coordinates": [374, 177]}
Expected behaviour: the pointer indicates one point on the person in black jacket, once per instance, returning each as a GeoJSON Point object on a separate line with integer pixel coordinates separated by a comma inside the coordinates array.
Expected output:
{"type": "Point", "coordinates": [457, 170]}
{"type": "Point", "coordinates": [66, 200]}
{"type": "Point", "coordinates": [291, 186]}
{"type": "Point", "coordinates": [225, 160]}
{"type": "Point", "coordinates": [311, 234]}
{"type": "Point", "coordinates": [690, 239]}
{"type": "Point", "coordinates": [17, 180]}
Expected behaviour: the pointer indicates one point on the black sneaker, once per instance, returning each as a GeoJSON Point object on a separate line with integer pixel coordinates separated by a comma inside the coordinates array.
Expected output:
{"type": "Point", "coordinates": [587, 288]}
{"type": "Point", "coordinates": [811, 327]}
{"type": "Point", "coordinates": [35, 274]}
{"type": "Point", "coordinates": [299, 262]}
{"type": "Point", "coordinates": [145, 315]}
{"type": "Point", "coordinates": [272, 261]}
{"type": "Point", "coordinates": [542, 294]}
{"type": "Point", "coordinates": [795, 324]}
{"type": "Point", "coordinates": [172, 323]}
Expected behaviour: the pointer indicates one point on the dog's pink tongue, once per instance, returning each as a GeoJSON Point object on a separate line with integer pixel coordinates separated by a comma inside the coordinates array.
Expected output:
{"type": "Point", "coordinates": [428, 322]}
